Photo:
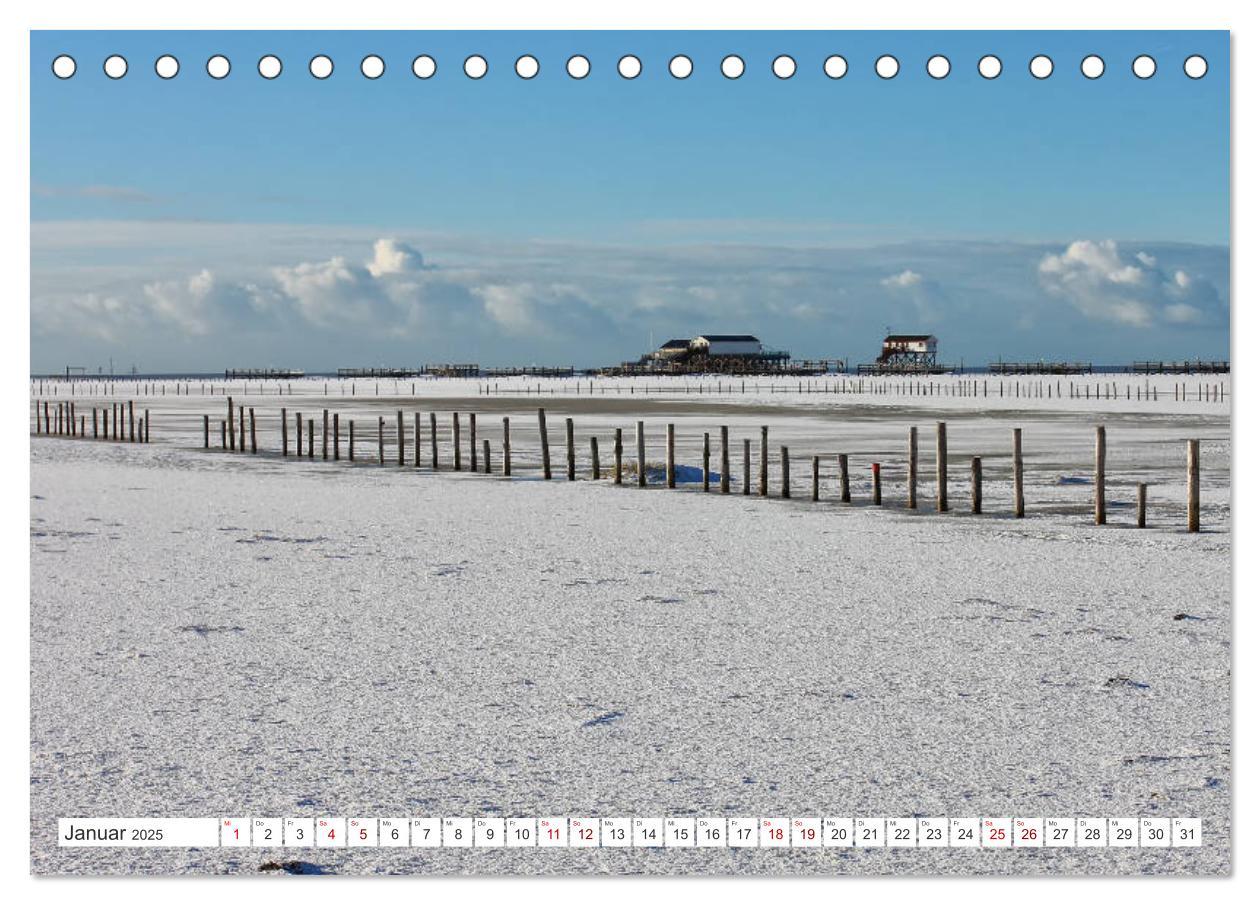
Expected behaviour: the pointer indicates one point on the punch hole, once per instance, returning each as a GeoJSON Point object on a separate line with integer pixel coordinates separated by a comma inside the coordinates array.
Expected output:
{"type": "Point", "coordinates": [732, 66]}
{"type": "Point", "coordinates": [321, 66]}
{"type": "Point", "coordinates": [1041, 66]}
{"type": "Point", "coordinates": [1144, 66]}
{"type": "Point", "coordinates": [578, 67]}
{"type": "Point", "coordinates": [938, 66]}
{"type": "Point", "coordinates": [166, 66]}
{"type": "Point", "coordinates": [680, 66]}
{"type": "Point", "coordinates": [372, 66]}
{"type": "Point", "coordinates": [990, 67]}
{"type": "Point", "coordinates": [475, 66]}
{"type": "Point", "coordinates": [270, 67]}
{"type": "Point", "coordinates": [526, 66]}
{"type": "Point", "coordinates": [218, 66]}
{"type": "Point", "coordinates": [783, 67]}
{"type": "Point", "coordinates": [835, 66]}
{"type": "Point", "coordinates": [115, 66]}
{"type": "Point", "coordinates": [629, 67]}
{"type": "Point", "coordinates": [1092, 67]}
{"type": "Point", "coordinates": [1195, 66]}
{"type": "Point", "coordinates": [887, 66]}
{"type": "Point", "coordinates": [64, 66]}
{"type": "Point", "coordinates": [423, 66]}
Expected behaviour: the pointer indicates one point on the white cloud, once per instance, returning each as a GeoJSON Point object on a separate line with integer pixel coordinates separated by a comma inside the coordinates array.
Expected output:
{"type": "Point", "coordinates": [903, 280]}
{"type": "Point", "coordinates": [1104, 284]}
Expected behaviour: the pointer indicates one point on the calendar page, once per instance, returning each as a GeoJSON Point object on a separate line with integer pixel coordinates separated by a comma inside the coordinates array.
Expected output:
{"type": "Point", "coordinates": [707, 452]}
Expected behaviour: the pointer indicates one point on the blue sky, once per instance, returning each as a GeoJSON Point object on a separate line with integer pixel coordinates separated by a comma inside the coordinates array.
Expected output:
{"type": "Point", "coordinates": [398, 220]}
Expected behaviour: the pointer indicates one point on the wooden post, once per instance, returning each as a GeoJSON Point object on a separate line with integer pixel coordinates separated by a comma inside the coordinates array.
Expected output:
{"type": "Point", "coordinates": [380, 440]}
{"type": "Point", "coordinates": [131, 419]}
{"type": "Point", "coordinates": [706, 462]}
{"type": "Point", "coordinates": [324, 436]}
{"type": "Point", "coordinates": [350, 441]}
{"type": "Point", "coordinates": [785, 486]}
{"type": "Point", "coordinates": [297, 420]}
{"type": "Point", "coordinates": [670, 479]}
{"type": "Point", "coordinates": [433, 438]}
{"type": "Point", "coordinates": [976, 489]}
{"type": "Point", "coordinates": [814, 495]}
{"type": "Point", "coordinates": [253, 431]}
{"type": "Point", "coordinates": [222, 433]}
{"type": "Point", "coordinates": [1017, 452]}
{"type": "Point", "coordinates": [472, 441]}
{"type": "Point", "coordinates": [402, 440]}
{"type": "Point", "coordinates": [747, 466]}
{"type": "Point", "coordinates": [726, 461]}
{"type": "Point", "coordinates": [546, 449]}
{"type": "Point", "coordinates": [877, 494]}
{"type": "Point", "coordinates": [507, 448]}
{"type": "Point", "coordinates": [284, 432]}
{"type": "Point", "coordinates": [1141, 505]}
{"type": "Point", "coordinates": [455, 440]}
{"type": "Point", "coordinates": [763, 476]}
{"type": "Point", "coordinates": [231, 424]}
{"type": "Point", "coordinates": [485, 447]}
{"type": "Point", "coordinates": [571, 453]}
{"type": "Point", "coordinates": [310, 438]}
{"type": "Point", "coordinates": [942, 469]}
{"type": "Point", "coordinates": [594, 459]}
{"type": "Point", "coordinates": [336, 436]}
{"type": "Point", "coordinates": [1100, 475]}
{"type": "Point", "coordinates": [640, 443]}
{"type": "Point", "coordinates": [96, 431]}
{"type": "Point", "coordinates": [1192, 486]}
{"type": "Point", "coordinates": [912, 480]}
{"type": "Point", "coordinates": [205, 431]}
{"type": "Point", "coordinates": [415, 435]}
{"type": "Point", "coordinates": [617, 456]}
{"type": "Point", "coordinates": [844, 478]}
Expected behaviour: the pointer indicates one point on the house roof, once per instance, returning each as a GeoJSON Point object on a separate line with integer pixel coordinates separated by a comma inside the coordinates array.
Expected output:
{"type": "Point", "coordinates": [677, 344]}
{"type": "Point", "coordinates": [728, 338]}
{"type": "Point", "coordinates": [908, 337]}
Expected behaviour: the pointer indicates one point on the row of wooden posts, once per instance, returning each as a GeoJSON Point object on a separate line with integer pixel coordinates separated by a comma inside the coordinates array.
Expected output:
{"type": "Point", "coordinates": [115, 422]}
{"type": "Point", "coordinates": [233, 437]}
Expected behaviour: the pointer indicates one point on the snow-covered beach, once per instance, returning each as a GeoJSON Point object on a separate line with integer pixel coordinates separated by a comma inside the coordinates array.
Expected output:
{"type": "Point", "coordinates": [223, 634]}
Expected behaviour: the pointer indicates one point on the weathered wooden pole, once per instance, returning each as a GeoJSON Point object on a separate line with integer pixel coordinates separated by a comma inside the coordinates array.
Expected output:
{"type": "Point", "coordinates": [241, 415]}
{"type": "Point", "coordinates": [617, 456]}
{"type": "Point", "coordinates": [415, 435]}
{"type": "Point", "coordinates": [546, 449]}
{"type": "Point", "coordinates": [131, 419]}
{"type": "Point", "coordinates": [350, 441]}
{"type": "Point", "coordinates": [223, 434]}
{"type": "Point", "coordinates": [785, 484]}
{"type": "Point", "coordinates": [1192, 486]}
{"type": "Point", "coordinates": [297, 420]}
{"type": "Point", "coordinates": [284, 432]}
{"type": "Point", "coordinates": [472, 441]}
{"type": "Point", "coordinates": [485, 448]}
{"type": "Point", "coordinates": [976, 488]}
{"type": "Point", "coordinates": [1017, 454]}
{"type": "Point", "coordinates": [594, 459]}
{"type": "Point", "coordinates": [570, 452]}
{"type": "Point", "coordinates": [96, 431]}
{"type": "Point", "coordinates": [640, 443]}
{"type": "Point", "coordinates": [942, 469]}
{"type": "Point", "coordinates": [763, 475]}
{"type": "Point", "coordinates": [402, 440]}
{"type": "Point", "coordinates": [336, 445]}
{"type": "Point", "coordinates": [507, 448]}
{"type": "Point", "coordinates": [205, 431]}
{"type": "Point", "coordinates": [670, 480]}
{"type": "Point", "coordinates": [253, 431]}
{"type": "Point", "coordinates": [706, 462]}
{"type": "Point", "coordinates": [433, 439]}
{"type": "Point", "coordinates": [324, 436]}
{"type": "Point", "coordinates": [747, 466]}
{"type": "Point", "coordinates": [726, 461]}
{"type": "Point", "coordinates": [1100, 475]}
{"type": "Point", "coordinates": [843, 460]}
{"type": "Point", "coordinates": [814, 495]}
{"type": "Point", "coordinates": [1141, 505]}
{"type": "Point", "coordinates": [912, 479]}
{"type": "Point", "coordinates": [455, 440]}
{"type": "Point", "coordinates": [310, 438]}
{"type": "Point", "coordinates": [231, 424]}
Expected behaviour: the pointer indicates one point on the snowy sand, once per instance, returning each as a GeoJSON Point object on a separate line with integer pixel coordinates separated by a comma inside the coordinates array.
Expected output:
{"type": "Point", "coordinates": [223, 635]}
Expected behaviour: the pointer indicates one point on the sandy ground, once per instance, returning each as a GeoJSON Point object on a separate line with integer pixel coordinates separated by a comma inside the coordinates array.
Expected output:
{"type": "Point", "coordinates": [218, 634]}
